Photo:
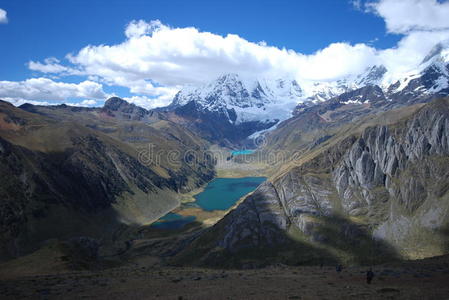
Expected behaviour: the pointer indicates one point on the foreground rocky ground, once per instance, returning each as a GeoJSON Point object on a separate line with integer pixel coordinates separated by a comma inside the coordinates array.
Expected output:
{"type": "Point", "coordinates": [426, 279]}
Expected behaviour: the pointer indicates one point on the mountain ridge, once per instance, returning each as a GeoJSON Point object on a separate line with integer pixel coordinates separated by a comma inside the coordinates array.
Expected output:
{"type": "Point", "coordinates": [383, 189]}
{"type": "Point", "coordinates": [70, 172]}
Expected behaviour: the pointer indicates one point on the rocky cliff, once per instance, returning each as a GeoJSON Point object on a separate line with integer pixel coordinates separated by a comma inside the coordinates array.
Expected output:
{"type": "Point", "coordinates": [380, 193]}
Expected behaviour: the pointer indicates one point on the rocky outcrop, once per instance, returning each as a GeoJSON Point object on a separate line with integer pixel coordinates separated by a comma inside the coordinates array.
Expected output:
{"type": "Point", "coordinates": [121, 109]}
{"type": "Point", "coordinates": [215, 125]}
{"type": "Point", "coordinates": [263, 218]}
{"type": "Point", "coordinates": [379, 192]}
{"type": "Point", "coordinates": [383, 155]}
{"type": "Point", "coordinates": [386, 175]}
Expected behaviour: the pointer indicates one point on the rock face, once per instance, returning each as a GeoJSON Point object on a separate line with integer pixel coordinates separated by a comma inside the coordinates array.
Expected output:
{"type": "Point", "coordinates": [259, 209]}
{"type": "Point", "coordinates": [397, 177]}
{"type": "Point", "coordinates": [215, 126]}
{"type": "Point", "coordinates": [382, 191]}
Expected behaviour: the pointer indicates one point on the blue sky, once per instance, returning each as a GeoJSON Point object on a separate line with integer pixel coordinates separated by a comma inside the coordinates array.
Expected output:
{"type": "Point", "coordinates": [38, 30]}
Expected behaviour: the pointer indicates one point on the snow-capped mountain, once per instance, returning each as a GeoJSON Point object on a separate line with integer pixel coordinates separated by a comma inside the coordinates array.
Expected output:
{"type": "Point", "coordinates": [242, 100]}
{"type": "Point", "coordinates": [428, 80]}
{"type": "Point", "coordinates": [316, 92]}
{"type": "Point", "coordinates": [256, 105]}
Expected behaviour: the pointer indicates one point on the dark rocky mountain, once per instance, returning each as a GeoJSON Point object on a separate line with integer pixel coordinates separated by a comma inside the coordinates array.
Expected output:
{"type": "Point", "coordinates": [215, 126]}
{"type": "Point", "coordinates": [375, 191]}
{"type": "Point", "coordinates": [121, 109]}
{"type": "Point", "coordinates": [69, 172]}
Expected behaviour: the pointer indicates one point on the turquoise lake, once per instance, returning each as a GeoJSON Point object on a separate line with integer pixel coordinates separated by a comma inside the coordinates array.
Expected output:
{"type": "Point", "coordinates": [219, 194]}
{"type": "Point", "coordinates": [242, 152]}
{"type": "Point", "coordinates": [223, 193]}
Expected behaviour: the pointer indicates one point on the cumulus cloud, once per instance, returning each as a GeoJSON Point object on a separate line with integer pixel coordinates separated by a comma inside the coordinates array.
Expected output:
{"type": "Point", "coordinates": [38, 89]}
{"type": "Point", "coordinates": [424, 23]}
{"type": "Point", "coordinates": [155, 60]}
{"type": "Point", "coordinates": [411, 50]}
{"type": "Point", "coordinates": [338, 60]}
{"type": "Point", "coordinates": [52, 65]}
{"type": "Point", "coordinates": [404, 16]}
{"type": "Point", "coordinates": [3, 16]}
{"type": "Point", "coordinates": [18, 102]}
{"type": "Point", "coordinates": [88, 102]}
{"type": "Point", "coordinates": [173, 57]}
{"type": "Point", "coordinates": [136, 29]}
{"type": "Point", "coordinates": [150, 103]}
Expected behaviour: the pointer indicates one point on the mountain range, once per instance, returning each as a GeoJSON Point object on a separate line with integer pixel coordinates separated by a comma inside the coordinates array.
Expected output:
{"type": "Point", "coordinates": [237, 108]}
{"type": "Point", "coordinates": [375, 191]}
{"type": "Point", "coordinates": [69, 171]}
{"type": "Point", "coordinates": [362, 174]}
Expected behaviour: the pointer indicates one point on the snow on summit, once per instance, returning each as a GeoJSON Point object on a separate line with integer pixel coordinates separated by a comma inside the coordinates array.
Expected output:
{"type": "Point", "coordinates": [263, 99]}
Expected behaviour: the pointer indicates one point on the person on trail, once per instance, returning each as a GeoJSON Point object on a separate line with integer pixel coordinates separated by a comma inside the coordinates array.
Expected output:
{"type": "Point", "coordinates": [369, 276]}
{"type": "Point", "coordinates": [339, 268]}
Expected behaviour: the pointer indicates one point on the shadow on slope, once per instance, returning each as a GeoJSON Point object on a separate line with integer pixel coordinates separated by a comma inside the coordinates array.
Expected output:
{"type": "Point", "coordinates": [258, 233]}
{"type": "Point", "coordinates": [444, 237]}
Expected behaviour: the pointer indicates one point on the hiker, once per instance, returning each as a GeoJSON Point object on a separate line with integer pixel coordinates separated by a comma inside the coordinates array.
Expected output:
{"type": "Point", "coordinates": [338, 268]}
{"type": "Point", "coordinates": [369, 276]}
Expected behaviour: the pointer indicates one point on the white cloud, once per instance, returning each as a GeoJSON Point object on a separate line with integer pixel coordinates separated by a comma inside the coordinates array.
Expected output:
{"type": "Point", "coordinates": [136, 29]}
{"type": "Point", "coordinates": [52, 65]}
{"type": "Point", "coordinates": [3, 16]}
{"type": "Point", "coordinates": [88, 102]}
{"type": "Point", "coordinates": [172, 57]}
{"type": "Point", "coordinates": [338, 60]}
{"type": "Point", "coordinates": [150, 103]}
{"type": "Point", "coordinates": [18, 102]}
{"type": "Point", "coordinates": [156, 60]}
{"type": "Point", "coordinates": [49, 90]}
{"type": "Point", "coordinates": [357, 4]}
{"type": "Point", "coordinates": [411, 50]}
{"type": "Point", "coordinates": [403, 16]}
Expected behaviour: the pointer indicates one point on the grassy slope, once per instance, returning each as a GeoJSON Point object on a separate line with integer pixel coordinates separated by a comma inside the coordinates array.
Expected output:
{"type": "Point", "coordinates": [59, 146]}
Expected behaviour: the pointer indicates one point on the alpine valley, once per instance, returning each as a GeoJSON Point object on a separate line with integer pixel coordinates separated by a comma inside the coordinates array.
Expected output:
{"type": "Point", "coordinates": [356, 175]}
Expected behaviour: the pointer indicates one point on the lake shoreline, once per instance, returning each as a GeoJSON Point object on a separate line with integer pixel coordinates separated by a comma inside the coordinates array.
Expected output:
{"type": "Point", "coordinates": [227, 193]}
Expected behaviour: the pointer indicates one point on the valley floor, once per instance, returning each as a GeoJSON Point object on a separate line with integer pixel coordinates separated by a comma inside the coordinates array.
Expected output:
{"type": "Point", "coordinates": [426, 279]}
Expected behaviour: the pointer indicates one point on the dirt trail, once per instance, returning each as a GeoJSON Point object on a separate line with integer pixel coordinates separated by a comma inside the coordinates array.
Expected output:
{"type": "Point", "coordinates": [415, 280]}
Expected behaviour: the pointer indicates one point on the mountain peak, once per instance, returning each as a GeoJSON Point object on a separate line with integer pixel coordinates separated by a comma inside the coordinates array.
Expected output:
{"type": "Point", "coordinates": [3, 102]}
{"type": "Point", "coordinates": [114, 103]}
{"type": "Point", "coordinates": [440, 50]}
{"type": "Point", "coordinates": [250, 99]}
{"type": "Point", "coordinates": [372, 76]}
{"type": "Point", "coordinates": [228, 77]}
{"type": "Point", "coordinates": [120, 108]}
